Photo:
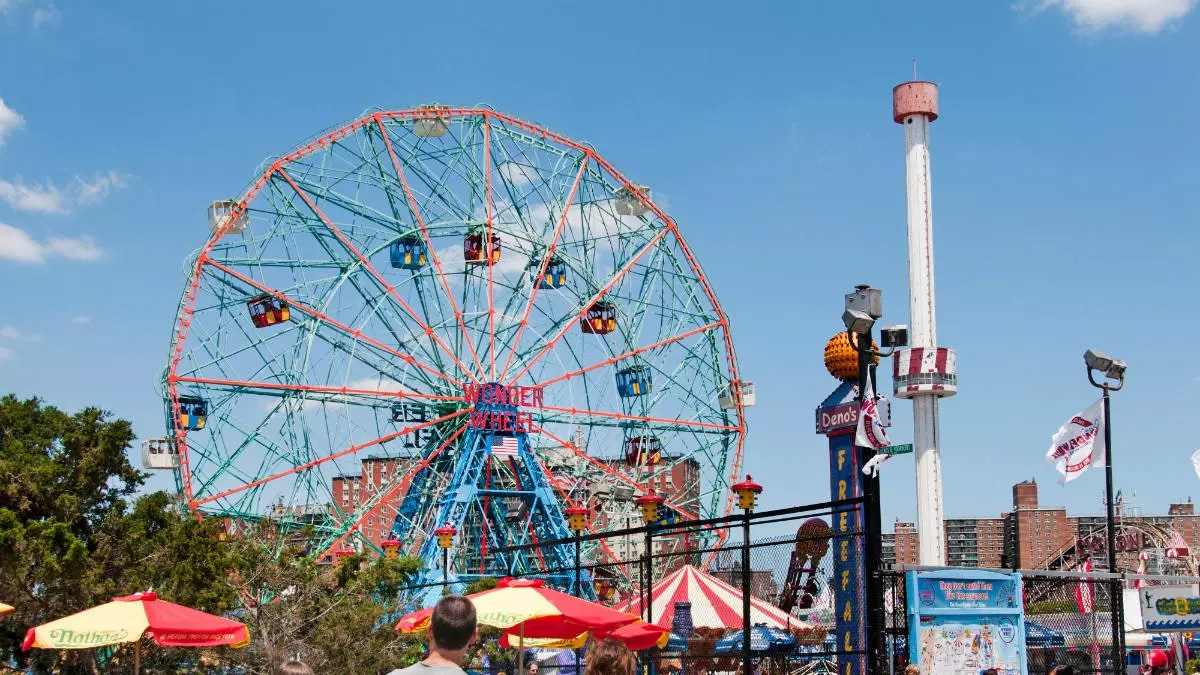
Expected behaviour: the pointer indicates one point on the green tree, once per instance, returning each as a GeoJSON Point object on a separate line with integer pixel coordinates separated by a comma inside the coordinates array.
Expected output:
{"type": "Point", "coordinates": [336, 618]}
{"type": "Point", "coordinates": [70, 538]}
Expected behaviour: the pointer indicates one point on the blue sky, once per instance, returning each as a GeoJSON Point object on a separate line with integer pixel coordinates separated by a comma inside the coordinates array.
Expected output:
{"type": "Point", "coordinates": [1064, 174]}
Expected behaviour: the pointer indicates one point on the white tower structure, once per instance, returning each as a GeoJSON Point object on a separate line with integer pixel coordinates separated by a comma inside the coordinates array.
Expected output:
{"type": "Point", "coordinates": [924, 372]}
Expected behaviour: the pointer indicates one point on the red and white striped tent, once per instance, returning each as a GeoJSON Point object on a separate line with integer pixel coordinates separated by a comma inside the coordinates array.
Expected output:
{"type": "Point", "coordinates": [715, 604]}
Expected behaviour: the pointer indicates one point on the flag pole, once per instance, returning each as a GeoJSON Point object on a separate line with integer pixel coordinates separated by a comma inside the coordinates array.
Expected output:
{"type": "Point", "coordinates": [1113, 370]}
{"type": "Point", "coordinates": [1116, 588]}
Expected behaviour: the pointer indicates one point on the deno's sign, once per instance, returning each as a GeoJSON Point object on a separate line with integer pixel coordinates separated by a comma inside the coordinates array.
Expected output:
{"type": "Point", "coordinates": [845, 416]}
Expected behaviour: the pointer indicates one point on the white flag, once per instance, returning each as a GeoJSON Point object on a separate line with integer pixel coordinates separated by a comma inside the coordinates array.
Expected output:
{"type": "Point", "coordinates": [1079, 444]}
{"type": "Point", "coordinates": [1196, 462]}
{"type": "Point", "coordinates": [871, 433]}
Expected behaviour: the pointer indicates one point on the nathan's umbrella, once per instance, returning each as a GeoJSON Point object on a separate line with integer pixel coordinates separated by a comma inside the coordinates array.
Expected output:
{"type": "Point", "coordinates": [529, 609]}
{"type": "Point", "coordinates": [5, 609]}
{"type": "Point", "coordinates": [637, 636]}
{"type": "Point", "coordinates": [128, 618]}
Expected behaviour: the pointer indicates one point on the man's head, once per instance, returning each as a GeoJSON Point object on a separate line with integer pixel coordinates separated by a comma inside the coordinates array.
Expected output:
{"type": "Point", "coordinates": [533, 668]}
{"type": "Point", "coordinates": [452, 625]}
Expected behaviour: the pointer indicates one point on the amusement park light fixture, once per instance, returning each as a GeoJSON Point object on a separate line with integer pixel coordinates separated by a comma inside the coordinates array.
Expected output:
{"type": "Point", "coordinates": [857, 321]}
{"type": "Point", "coordinates": [1113, 369]}
{"type": "Point", "coordinates": [895, 336]}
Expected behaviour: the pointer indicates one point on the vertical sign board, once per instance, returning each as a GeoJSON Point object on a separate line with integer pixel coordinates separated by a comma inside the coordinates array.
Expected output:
{"type": "Point", "coordinates": [963, 621]}
{"type": "Point", "coordinates": [849, 592]}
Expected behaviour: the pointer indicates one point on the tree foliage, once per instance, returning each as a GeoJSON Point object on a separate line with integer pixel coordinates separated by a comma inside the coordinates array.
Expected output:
{"type": "Point", "coordinates": [74, 534]}
{"type": "Point", "coordinates": [337, 619]}
{"type": "Point", "coordinates": [71, 538]}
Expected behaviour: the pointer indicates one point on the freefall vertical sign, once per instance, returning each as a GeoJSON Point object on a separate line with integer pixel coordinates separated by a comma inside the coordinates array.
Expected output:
{"type": "Point", "coordinates": [845, 482]}
{"type": "Point", "coordinates": [925, 372]}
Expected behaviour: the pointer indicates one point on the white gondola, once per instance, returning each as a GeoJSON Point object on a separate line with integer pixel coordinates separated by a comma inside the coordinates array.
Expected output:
{"type": "Point", "coordinates": [628, 203]}
{"type": "Point", "coordinates": [220, 211]}
{"type": "Point", "coordinates": [431, 125]}
{"type": "Point", "coordinates": [159, 454]}
{"type": "Point", "coordinates": [729, 397]}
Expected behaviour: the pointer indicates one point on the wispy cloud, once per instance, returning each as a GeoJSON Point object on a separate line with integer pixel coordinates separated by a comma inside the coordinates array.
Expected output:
{"type": "Point", "coordinates": [34, 198]}
{"type": "Point", "coordinates": [97, 189]}
{"type": "Point", "coordinates": [6, 353]}
{"type": "Point", "coordinates": [1143, 16]}
{"type": "Point", "coordinates": [46, 16]}
{"type": "Point", "coordinates": [47, 198]}
{"type": "Point", "coordinates": [517, 174]}
{"type": "Point", "coordinates": [8, 332]}
{"type": "Point", "coordinates": [17, 245]}
{"type": "Point", "coordinates": [81, 319]}
{"type": "Point", "coordinates": [9, 119]}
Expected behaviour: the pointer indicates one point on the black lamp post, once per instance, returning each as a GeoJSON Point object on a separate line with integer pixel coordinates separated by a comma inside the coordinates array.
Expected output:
{"type": "Point", "coordinates": [649, 505]}
{"type": "Point", "coordinates": [747, 493]}
{"type": "Point", "coordinates": [577, 522]}
{"type": "Point", "coordinates": [445, 536]}
{"type": "Point", "coordinates": [1114, 370]}
{"type": "Point", "coordinates": [863, 307]}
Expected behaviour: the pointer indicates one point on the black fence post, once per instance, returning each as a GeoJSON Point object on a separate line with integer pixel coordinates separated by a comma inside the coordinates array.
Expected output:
{"type": "Point", "coordinates": [746, 627]}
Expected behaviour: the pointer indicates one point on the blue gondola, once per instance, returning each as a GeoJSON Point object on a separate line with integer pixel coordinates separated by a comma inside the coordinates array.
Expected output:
{"type": "Point", "coordinates": [634, 381]}
{"type": "Point", "coordinates": [193, 412]}
{"type": "Point", "coordinates": [408, 253]}
{"type": "Point", "coordinates": [555, 275]}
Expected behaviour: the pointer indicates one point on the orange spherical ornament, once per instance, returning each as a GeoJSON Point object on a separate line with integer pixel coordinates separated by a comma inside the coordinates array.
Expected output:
{"type": "Point", "coordinates": [840, 358]}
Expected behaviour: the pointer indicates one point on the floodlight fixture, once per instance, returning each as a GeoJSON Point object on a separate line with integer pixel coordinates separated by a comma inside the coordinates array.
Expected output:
{"type": "Point", "coordinates": [857, 321]}
{"type": "Point", "coordinates": [895, 336]}
{"type": "Point", "coordinates": [1113, 369]}
{"type": "Point", "coordinates": [866, 300]}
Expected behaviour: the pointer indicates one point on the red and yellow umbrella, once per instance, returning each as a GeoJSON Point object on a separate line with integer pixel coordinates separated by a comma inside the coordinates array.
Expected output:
{"type": "Point", "coordinates": [128, 618]}
{"type": "Point", "coordinates": [637, 636]}
{"type": "Point", "coordinates": [526, 607]}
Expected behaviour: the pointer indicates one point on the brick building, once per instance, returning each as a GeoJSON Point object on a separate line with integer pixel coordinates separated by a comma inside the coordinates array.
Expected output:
{"type": "Point", "coordinates": [974, 542]}
{"type": "Point", "coordinates": [352, 491]}
{"type": "Point", "coordinates": [1033, 536]}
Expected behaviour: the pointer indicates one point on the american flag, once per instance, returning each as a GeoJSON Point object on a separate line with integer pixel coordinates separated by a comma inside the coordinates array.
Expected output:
{"type": "Point", "coordinates": [504, 445]}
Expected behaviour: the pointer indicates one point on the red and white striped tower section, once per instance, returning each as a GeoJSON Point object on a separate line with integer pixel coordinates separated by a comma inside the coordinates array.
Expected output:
{"type": "Point", "coordinates": [924, 372]}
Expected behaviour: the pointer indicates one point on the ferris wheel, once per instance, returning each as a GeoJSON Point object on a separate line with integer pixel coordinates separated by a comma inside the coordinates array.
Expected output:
{"type": "Point", "coordinates": [446, 315]}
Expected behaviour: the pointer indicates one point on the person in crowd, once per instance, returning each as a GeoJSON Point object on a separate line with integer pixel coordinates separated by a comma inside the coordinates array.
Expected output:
{"type": "Point", "coordinates": [990, 671]}
{"type": "Point", "coordinates": [912, 669]}
{"type": "Point", "coordinates": [293, 667]}
{"type": "Point", "coordinates": [533, 668]}
{"type": "Point", "coordinates": [452, 629]}
{"type": "Point", "coordinates": [610, 657]}
{"type": "Point", "coordinates": [1062, 670]}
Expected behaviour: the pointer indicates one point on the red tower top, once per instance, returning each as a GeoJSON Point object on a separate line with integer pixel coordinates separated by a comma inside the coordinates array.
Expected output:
{"type": "Point", "coordinates": [914, 98]}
